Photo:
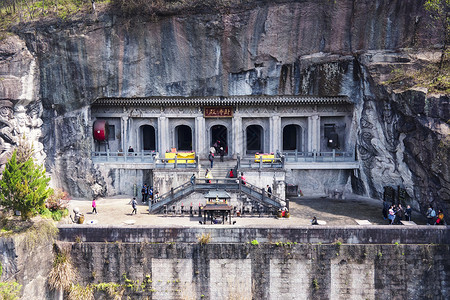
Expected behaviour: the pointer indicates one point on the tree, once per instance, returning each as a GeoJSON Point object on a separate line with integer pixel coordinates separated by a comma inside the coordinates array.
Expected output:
{"type": "Point", "coordinates": [24, 186]}
{"type": "Point", "coordinates": [440, 12]}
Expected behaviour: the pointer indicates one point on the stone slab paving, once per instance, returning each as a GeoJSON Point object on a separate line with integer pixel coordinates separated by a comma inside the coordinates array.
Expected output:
{"type": "Point", "coordinates": [117, 211]}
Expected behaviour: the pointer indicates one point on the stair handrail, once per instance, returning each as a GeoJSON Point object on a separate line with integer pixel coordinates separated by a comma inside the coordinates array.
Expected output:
{"type": "Point", "coordinates": [261, 191]}
{"type": "Point", "coordinates": [171, 195]}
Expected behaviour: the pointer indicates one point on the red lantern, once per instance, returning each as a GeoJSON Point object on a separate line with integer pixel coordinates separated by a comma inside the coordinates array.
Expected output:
{"type": "Point", "coordinates": [100, 130]}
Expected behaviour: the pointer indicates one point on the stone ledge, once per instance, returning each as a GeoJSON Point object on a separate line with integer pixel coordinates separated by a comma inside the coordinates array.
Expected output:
{"type": "Point", "coordinates": [380, 234]}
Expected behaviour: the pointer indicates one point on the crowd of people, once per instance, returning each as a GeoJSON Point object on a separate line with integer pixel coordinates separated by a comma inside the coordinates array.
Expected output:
{"type": "Point", "coordinates": [433, 218]}
{"type": "Point", "coordinates": [216, 149]}
{"type": "Point", "coordinates": [395, 214]}
{"type": "Point", "coordinates": [148, 194]}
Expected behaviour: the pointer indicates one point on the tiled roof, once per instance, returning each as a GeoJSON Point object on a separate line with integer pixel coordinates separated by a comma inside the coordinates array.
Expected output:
{"type": "Point", "coordinates": [222, 101]}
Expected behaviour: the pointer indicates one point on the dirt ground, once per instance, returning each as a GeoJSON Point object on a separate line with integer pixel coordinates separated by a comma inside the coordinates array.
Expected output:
{"type": "Point", "coordinates": [117, 211]}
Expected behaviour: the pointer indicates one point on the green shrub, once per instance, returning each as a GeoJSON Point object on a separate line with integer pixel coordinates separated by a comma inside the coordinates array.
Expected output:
{"type": "Point", "coordinates": [10, 290]}
{"type": "Point", "coordinates": [46, 213]}
{"type": "Point", "coordinates": [24, 185]}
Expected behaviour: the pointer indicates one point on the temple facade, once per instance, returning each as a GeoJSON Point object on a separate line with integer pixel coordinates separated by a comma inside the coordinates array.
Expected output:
{"type": "Point", "coordinates": [309, 142]}
{"type": "Point", "coordinates": [241, 125]}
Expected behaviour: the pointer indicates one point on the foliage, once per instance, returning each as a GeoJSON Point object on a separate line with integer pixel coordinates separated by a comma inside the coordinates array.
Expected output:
{"type": "Point", "coordinates": [10, 290]}
{"type": "Point", "coordinates": [58, 200]}
{"type": "Point", "coordinates": [254, 242]}
{"type": "Point", "coordinates": [20, 11]}
{"type": "Point", "coordinates": [429, 76]}
{"type": "Point", "coordinates": [24, 185]}
{"type": "Point", "coordinates": [315, 284]}
{"type": "Point", "coordinates": [63, 272]}
{"type": "Point", "coordinates": [112, 289]}
{"type": "Point", "coordinates": [204, 238]}
{"type": "Point", "coordinates": [42, 231]}
{"type": "Point", "coordinates": [439, 11]}
{"type": "Point", "coordinates": [78, 292]}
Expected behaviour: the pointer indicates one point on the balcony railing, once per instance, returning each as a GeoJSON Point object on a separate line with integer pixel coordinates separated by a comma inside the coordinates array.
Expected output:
{"type": "Point", "coordinates": [143, 157]}
{"type": "Point", "coordinates": [333, 156]}
{"type": "Point", "coordinates": [279, 161]}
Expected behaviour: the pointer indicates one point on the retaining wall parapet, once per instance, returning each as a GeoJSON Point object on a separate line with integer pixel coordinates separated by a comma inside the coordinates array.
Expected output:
{"type": "Point", "coordinates": [382, 234]}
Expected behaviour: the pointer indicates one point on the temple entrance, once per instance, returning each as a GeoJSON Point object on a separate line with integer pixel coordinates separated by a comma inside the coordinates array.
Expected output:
{"type": "Point", "coordinates": [148, 141]}
{"type": "Point", "coordinates": [292, 138]}
{"type": "Point", "coordinates": [219, 137]}
{"type": "Point", "coordinates": [183, 137]}
{"type": "Point", "coordinates": [254, 139]}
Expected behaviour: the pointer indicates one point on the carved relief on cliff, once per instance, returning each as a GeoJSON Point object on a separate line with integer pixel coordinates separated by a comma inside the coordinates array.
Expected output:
{"type": "Point", "coordinates": [18, 123]}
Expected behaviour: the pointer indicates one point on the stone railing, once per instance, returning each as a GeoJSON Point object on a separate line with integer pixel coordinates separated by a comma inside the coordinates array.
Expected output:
{"type": "Point", "coordinates": [143, 157]}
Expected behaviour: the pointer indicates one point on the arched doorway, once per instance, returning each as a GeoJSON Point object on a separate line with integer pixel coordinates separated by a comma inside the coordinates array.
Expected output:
{"type": "Point", "coordinates": [148, 140]}
{"type": "Point", "coordinates": [219, 137]}
{"type": "Point", "coordinates": [292, 138]}
{"type": "Point", "coordinates": [183, 137]}
{"type": "Point", "coordinates": [254, 139]}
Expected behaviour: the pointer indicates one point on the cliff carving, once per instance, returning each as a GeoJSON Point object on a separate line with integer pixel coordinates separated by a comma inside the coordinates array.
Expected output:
{"type": "Point", "coordinates": [311, 47]}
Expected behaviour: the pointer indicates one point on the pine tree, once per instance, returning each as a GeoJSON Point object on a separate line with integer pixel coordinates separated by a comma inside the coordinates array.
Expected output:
{"type": "Point", "coordinates": [24, 186]}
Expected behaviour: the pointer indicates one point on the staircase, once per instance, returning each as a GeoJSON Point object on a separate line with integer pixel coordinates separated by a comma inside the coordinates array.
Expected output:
{"type": "Point", "coordinates": [228, 184]}
{"type": "Point", "coordinates": [220, 169]}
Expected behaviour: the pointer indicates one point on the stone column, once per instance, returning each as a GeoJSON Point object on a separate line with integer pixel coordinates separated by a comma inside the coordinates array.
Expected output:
{"type": "Point", "coordinates": [124, 132]}
{"type": "Point", "coordinates": [275, 134]}
{"type": "Point", "coordinates": [237, 138]}
{"type": "Point", "coordinates": [163, 135]}
{"type": "Point", "coordinates": [314, 133]}
{"type": "Point", "coordinates": [200, 137]}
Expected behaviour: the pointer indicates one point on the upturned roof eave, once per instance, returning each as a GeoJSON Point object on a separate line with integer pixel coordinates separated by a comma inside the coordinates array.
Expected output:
{"type": "Point", "coordinates": [221, 101]}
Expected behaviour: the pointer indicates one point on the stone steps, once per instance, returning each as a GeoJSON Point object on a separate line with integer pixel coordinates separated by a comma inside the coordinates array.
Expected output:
{"type": "Point", "coordinates": [220, 169]}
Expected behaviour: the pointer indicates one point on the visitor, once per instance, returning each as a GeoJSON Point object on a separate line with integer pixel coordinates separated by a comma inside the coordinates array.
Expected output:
{"type": "Point", "coordinates": [221, 153]}
{"type": "Point", "coordinates": [130, 150]}
{"type": "Point", "coordinates": [440, 218]}
{"type": "Point", "coordinates": [399, 214]}
{"type": "Point", "coordinates": [408, 213]}
{"type": "Point", "coordinates": [269, 191]}
{"type": "Point", "coordinates": [211, 159]}
{"type": "Point", "coordinates": [243, 181]}
{"type": "Point", "coordinates": [150, 195]}
{"type": "Point", "coordinates": [193, 179]}
{"type": "Point", "coordinates": [391, 215]}
{"type": "Point", "coordinates": [231, 173]}
{"type": "Point", "coordinates": [134, 206]}
{"type": "Point", "coordinates": [431, 213]}
{"type": "Point", "coordinates": [94, 206]}
{"type": "Point", "coordinates": [314, 221]}
{"type": "Point", "coordinates": [144, 192]}
{"type": "Point", "coordinates": [208, 176]}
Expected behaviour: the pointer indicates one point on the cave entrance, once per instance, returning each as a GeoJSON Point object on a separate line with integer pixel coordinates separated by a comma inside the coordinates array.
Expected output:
{"type": "Point", "coordinates": [292, 136]}
{"type": "Point", "coordinates": [254, 139]}
{"type": "Point", "coordinates": [219, 137]}
{"type": "Point", "coordinates": [148, 140]}
{"type": "Point", "coordinates": [183, 137]}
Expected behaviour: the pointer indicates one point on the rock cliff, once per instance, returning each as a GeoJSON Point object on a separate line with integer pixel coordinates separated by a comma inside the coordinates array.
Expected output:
{"type": "Point", "coordinates": [54, 71]}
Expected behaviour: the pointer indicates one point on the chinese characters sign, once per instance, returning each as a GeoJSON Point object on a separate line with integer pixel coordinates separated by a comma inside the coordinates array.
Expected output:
{"type": "Point", "coordinates": [218, 112]}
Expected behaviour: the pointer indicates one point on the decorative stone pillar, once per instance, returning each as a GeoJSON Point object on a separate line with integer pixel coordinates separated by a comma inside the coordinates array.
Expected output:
{"type": "Point", "coordinates": [163, 134]}
{"type": "Point", "coordinates": [124, 132]}
{"type": "Point", "coordinates": [314, 133]}
{"type": "Point", "coordinates": [275, 134]}
{"type": "Point", "coordinates": [200, 137]}
{"type": "Point", "coordinates": [236, 133]}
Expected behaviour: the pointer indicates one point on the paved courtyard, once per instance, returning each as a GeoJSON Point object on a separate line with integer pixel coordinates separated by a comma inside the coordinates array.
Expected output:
{"type": "Point", "coordinates": [117, 211]}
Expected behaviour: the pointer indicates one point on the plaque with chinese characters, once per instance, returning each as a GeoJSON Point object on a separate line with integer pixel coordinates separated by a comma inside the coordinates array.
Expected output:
{"type": "Point", "coordinates": [218, 112]}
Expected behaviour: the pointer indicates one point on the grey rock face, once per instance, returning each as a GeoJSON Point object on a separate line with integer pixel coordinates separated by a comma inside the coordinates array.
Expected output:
{"type": "Point", "coordinates": [302, 48]}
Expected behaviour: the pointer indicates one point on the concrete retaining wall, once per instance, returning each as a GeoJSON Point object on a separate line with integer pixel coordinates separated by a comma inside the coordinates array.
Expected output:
{"type": "Point", "coordinates": [228, 234]}
{"type": "Point", "coordinates": [173, 269]}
